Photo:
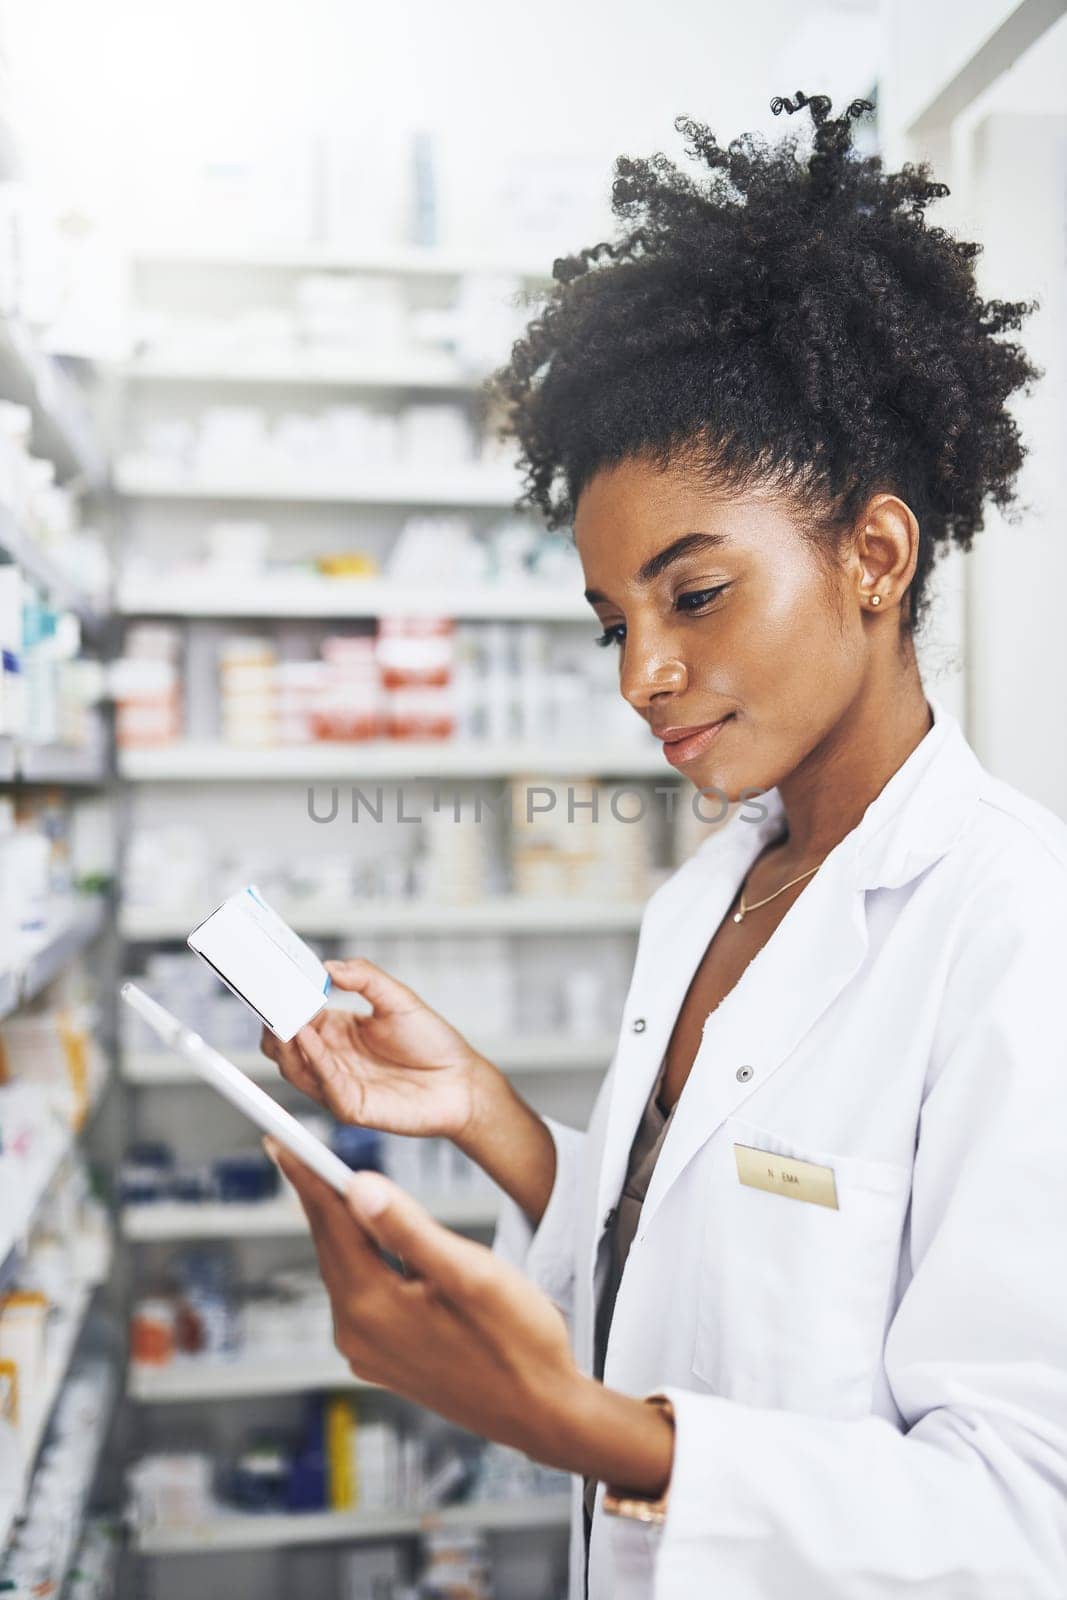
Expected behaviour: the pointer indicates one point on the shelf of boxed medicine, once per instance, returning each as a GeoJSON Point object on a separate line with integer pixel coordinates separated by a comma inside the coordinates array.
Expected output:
{"type": "Point", "coordinates": [62, 430]}
{"type": "Point", "coordinates": [538, 1053]}
{"type": "Point", "coordinates": [159, 1221]}
{"type": "Point", "coordinates": [496, 914]}
{"type": "Point", "coordinates": [38, 565]}
{"type": "Point", "coordinates": [300, 594]}
{"type": "Point", "coordinates": [64, 1339]}
{"type": "Point", "coordinates": [271, 1531]}
{"type": "Point", "coordinates": [44, 954]}
{"type": "Point", "coordinates": [189, 761]}
{"type": "Point", "coordinates": [25, 1182]}
{"type": "Point", "coordinates": [497, 488]}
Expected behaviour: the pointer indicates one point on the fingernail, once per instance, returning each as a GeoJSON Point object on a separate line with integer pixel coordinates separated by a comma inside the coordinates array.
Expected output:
{"type": "Point", "coordinates": [272, 1150]}
{"type": "Point", "coordinates": [370, 1191]}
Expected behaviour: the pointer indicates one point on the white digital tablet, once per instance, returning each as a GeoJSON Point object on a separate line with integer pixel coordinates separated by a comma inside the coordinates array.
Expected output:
{"type": "Point", "coordinates": [239, 1089]}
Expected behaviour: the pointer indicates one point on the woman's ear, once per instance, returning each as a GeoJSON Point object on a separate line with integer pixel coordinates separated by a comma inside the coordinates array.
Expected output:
{"type": "Point", "coordinates": [886, 550]}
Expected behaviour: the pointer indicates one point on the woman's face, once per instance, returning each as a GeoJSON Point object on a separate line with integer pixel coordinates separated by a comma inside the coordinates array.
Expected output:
{"type": "Point", "coordinates": [722, 613]}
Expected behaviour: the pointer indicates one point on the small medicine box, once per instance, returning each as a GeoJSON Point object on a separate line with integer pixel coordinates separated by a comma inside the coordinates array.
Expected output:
{"type": "Point", "coordinates": [267, 965]}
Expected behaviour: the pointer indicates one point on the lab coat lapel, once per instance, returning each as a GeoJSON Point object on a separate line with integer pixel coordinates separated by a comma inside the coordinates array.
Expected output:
{"type": "Point", "coordinates": [815, 951]}
{"type": "Point", "coordinates": [817, 948]}
{"type": "Point", "coordinates": [676, 930]}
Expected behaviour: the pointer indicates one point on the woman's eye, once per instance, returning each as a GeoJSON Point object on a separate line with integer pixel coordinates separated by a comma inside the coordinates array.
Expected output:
{"type": "Point", "coordinates": [699, 597]}
{"type": "Point", "coordinates": [611, 635]}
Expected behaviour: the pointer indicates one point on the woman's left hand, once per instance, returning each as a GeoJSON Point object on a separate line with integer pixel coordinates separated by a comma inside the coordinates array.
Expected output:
{"type": "Point", "coordinates": [464, 1332]}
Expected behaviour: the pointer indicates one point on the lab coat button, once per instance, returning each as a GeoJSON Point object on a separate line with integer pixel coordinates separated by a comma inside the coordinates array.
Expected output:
{"type": "Point", "coordinates": [743, 1074]}
{"type": "Point", "coordinates": [639, 1024]}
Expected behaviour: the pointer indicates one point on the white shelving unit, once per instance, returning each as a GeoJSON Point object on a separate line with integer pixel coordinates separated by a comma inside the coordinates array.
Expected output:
{"type": "Point", "coordinates": [40, 566]}
{"type": "Point", "coordinates": [413, 372]}
{"type": "Point", "coordinates": [62, 428]}
{"type": "Point", "coordinates": [299, 594]}
{"type": "Point", "coordinates": [530, 1053]}
{"type": "Point", "coordinates": [502, 914]}
{"type": "Point", "coordinates": [404, 262]}
{"type": "Point", "coordinates": [205, 762]}
{"type": "Point", "coordinates": [196, 1379]}
{"type": "Point", "coordinates": [281, 1218]}
{"type": "Point", "coordinates": [256, 1531]}
{"type": "Point", "coordinates": [70, 928]}
{"type": "Point", "coordinates": [62, 431]}
{"type": "Point", "coordinates": [161, 499]}
{"type": "Point", "coordinates": [487, 487]}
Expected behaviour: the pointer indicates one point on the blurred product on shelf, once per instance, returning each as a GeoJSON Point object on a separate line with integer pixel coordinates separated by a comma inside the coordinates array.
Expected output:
{"type": "Point", "coordinates": [236, 548]}
{"type": "Point", "coordinates": [66, 1255]}
{"type": "Point", "coordinates": [93, 1574]}
{"type": "Point", "coordinates": [331, 446]}
{"type": "Point", "coordinates": [350, 703]}
{"type": "Point", "coordinates": [415, 662]}
{"type": "Point", "coordinates": [152, 1175]}
{"type": "Point", "coordinates": [179, 981]}
{"type": "Point", "coordinates": [334, 325]}
{"type": "Point", "coordinates": [206, 1316]}
{"type": "Point", "coordinates": [56, 1048]}
{"type": "Point", "coordinates": [146, 685]}
{"type": "Point", "coordinates": [411, 678]}
{"type": "Point", "coordinates": [44, 514]}
{"type": "Point", "coordinates": [48, 693]}
{"type": "Point", "coordinates": [247, 691]}
{"type": "Point", "coordinates": [340, 1460]}
{"type": "Point", "coordinates": [45, 1546]}
{"type": "Point", "coordinates": [457, 1565]}
{"type": "Point", "coordinates": [579, 839]}
{"type": "Point", "coordinates": [471, 979]}
{"type": "Point", "coordinates": [429, 549]}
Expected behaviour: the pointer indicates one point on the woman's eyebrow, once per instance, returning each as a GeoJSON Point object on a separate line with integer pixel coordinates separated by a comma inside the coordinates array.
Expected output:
{"type": "Point", "coordinates": [664, 558]}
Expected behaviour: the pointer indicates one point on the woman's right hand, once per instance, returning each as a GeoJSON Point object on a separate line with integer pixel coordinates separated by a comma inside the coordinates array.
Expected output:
{"type": "Point", "coordinates": [401, 1068]}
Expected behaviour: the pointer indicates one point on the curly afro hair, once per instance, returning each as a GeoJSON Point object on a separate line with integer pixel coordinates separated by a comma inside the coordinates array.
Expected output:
{"type": "Point", "coordinates": [783, 321]}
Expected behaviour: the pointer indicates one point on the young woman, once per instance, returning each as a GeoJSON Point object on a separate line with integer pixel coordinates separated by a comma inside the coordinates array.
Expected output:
{"type": "Point", "coordinates": [793, 1310]}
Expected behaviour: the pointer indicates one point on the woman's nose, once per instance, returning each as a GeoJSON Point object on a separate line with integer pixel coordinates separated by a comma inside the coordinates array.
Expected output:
{"type": "Point", "coordinates": [643, 678]}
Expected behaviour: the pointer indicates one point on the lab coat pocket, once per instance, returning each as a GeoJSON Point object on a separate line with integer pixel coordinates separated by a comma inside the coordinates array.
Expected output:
{"type": "Point", "coordinates": [793, 1295]}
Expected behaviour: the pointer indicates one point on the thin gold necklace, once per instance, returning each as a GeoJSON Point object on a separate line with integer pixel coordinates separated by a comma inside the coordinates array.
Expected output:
{"type": "Point", "coordinates": [739, 915]}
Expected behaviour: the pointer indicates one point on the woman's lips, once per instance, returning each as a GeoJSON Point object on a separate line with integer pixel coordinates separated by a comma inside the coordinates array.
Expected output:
{"type": "Point", "coordinates": [679, 751]}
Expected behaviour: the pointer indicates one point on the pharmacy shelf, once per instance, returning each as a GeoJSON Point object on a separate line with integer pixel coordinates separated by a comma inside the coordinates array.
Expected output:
{"type": "Point", "coordinates": [63, 1341]}
{"type": "Point", "coordinates": [302, 594]}
{"type": "Point", "coordinates": [193, 762]}
{"type": "Point", "coordinates": [62, 430]}
{"type": "Point", "coordinates": [62, 764]}
{"type": "Point", "coordinates": [412, 261]}
{"type": "Point", "coordinates": [539, 1053]}
{"type": "Point", "coordinates": [267, 1531]}
{"type": "Point", "coordinates": [401, 371]}
{"type": "Point", "coordinates": [165, 1220]}
{"type": "Point", "coordinates": [36, 1176]}
{"type": "Point", "coordinates": [499, 914]}
{"type": "Point", "coordinates": [69, 929]}
{"type": "Point", "coordinates": [195, 1378]}
{"type": "Point", "coordinates": [51, 763]}
{"type": "Point", "coordinates": [495, 488]}
{"type": "Point", "coordinates": [72, 928]}
{"type": "Point", "coordinates": [37, 564]}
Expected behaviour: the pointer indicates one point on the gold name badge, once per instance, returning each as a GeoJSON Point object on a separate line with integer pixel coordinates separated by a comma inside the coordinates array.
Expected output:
{"type": "Point", "coordinates": [800, 1180]}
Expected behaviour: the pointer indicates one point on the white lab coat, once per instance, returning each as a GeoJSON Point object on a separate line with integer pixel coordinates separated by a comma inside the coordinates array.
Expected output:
{"type": "Point", "coordinates": [871, 1401]}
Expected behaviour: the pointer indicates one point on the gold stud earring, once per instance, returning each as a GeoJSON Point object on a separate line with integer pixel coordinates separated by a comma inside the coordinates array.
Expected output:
{"type": "Point", "coordinates": [876, 599]}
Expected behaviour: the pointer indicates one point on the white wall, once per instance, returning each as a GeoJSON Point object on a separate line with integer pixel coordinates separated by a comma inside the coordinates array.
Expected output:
{"type": "Point", "coordinates": [1003, 156]}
